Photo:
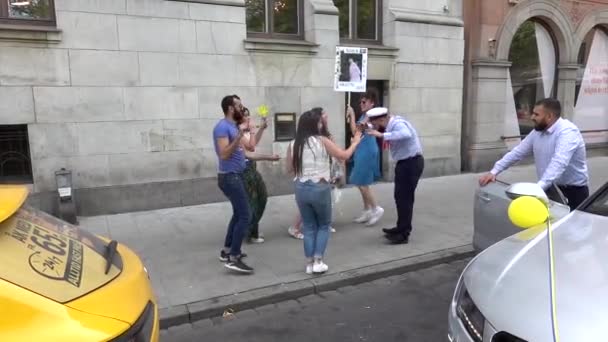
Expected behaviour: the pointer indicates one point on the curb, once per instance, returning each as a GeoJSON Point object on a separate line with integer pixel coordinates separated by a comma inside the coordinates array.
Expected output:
{"type": "Point", "coordinates": [213, 307]}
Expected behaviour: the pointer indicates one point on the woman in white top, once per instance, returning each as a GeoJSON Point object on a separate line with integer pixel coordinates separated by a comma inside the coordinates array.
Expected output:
{"type": "Point", "coordinates": [310, 162]}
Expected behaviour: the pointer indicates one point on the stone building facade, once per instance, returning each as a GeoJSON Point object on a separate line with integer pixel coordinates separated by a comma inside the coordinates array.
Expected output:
{"type": "Point", "coordinates": [125, 93]}
{"type": "Point", "coordinates": [519, 51]}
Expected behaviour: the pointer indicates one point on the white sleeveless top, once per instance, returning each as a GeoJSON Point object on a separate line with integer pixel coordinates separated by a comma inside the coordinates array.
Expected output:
{"type": "Point", "coordinates": [315, 161]}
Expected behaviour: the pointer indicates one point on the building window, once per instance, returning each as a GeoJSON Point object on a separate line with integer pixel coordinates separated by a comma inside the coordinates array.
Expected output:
{"type": "Point", "coordinates": [27, 12]}
{"type": "Point", "coordinates": [274, 18]}
{"type": "Point", "coordinates": [591, 92]}
{"type": "Point", "coordinates": [596, 39]}
{"type": "Point", "coordinates": [360, 20]}
{"type": "Point", "coordinates": [15, 162]}
{"type": "Point", "coordinates": [534, 59]}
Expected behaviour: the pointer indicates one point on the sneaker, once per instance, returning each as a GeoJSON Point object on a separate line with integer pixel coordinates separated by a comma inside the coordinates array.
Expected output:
{"type": "Point", "coordinates": [332, 229]}
{"type": "Point", "coordinates": [365, 216]}
{"type": "Point", "coordinates": [309, 269]}
{"type": "Point", "coordinates": [375, 216]}
{"type": "Point", "coordinates": [257, 240]}
{"type": "Point", "coordinates": [226, 256]}
{"type": "Point", "coordinates": [319, 267]}
{"type": "Point", "coordinates": [295, 233]}
{"type": "Point", "coordinates": [239, 266]}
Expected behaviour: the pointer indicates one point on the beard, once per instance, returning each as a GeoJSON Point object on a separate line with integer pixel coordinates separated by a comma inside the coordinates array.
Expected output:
{"type": "Point", "coordinates": [238, 116]}
{"type": "Point", "coordinates": [381, 129]}
{"type": "Point", "coordinates": [541, 126]}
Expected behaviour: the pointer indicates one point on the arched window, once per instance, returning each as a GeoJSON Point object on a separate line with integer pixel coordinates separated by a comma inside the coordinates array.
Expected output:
{"type": "Point", "coordinates": [597, 35]}
{"type": "Point", "coordinates": [591, 106]}
{"type": "Point", "coordinates": [534, 57]}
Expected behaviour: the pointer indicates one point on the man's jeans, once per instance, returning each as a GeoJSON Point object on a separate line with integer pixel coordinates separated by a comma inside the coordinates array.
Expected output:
{"type": "Point", "coordinates": [314, 202]}
{"type": "Point", "coordinates": [233, 187]}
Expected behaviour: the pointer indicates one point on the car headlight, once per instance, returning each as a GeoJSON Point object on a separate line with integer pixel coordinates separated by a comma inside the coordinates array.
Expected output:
{"type": "Point", "coordinates": [141, 331]}
{"type": "Point", "coordinates": [472, 319]}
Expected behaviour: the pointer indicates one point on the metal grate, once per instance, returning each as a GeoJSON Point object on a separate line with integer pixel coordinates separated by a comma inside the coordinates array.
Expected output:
{"type": "Point", "coordinates": [15, 161]}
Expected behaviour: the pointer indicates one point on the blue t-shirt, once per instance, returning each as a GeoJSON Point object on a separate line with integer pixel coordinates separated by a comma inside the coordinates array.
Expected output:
{"type": "Point", "coordinates": [236, 162]}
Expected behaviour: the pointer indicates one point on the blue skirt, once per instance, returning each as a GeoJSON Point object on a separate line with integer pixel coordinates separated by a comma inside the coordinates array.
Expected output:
{"type": "Point", "coordinates": [366, 169]}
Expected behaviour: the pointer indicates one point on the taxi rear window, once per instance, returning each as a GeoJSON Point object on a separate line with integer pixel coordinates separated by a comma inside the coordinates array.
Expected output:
{"type": "Point", "coordinates": [51, 257]}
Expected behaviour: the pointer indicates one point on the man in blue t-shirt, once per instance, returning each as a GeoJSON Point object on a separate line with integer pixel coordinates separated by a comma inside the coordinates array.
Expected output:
{"type": "Point", "coordinates": [227, 135]}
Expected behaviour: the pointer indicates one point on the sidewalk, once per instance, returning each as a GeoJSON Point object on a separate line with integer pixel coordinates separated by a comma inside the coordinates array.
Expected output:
{"type": "Point", "coordinates": [180, 246]}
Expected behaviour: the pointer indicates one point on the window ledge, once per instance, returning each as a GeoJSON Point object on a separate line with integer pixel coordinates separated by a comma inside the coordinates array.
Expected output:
{"type": "Point", "coordinates": [30, 33]}
{"type": "Point", "coordinates": [236, 3]}
{"type": "Point", "coordinates": [490, 63]}
{"type": "Point", "coordinates": [374, 50]}
{"type": "Point", "coordinates": [280, 46]}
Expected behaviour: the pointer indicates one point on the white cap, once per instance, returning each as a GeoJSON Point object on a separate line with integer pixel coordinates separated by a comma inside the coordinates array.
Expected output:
{"type": "Point", "coordinates": [375, 112]}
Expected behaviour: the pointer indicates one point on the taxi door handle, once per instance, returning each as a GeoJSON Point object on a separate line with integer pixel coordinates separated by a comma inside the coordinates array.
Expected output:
{"type": "Point", "coordinates": [484, 198]}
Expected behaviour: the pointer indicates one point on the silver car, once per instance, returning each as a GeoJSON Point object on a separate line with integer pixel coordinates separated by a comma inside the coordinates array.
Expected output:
{"type": "Point", "coordinates": [503, 295]}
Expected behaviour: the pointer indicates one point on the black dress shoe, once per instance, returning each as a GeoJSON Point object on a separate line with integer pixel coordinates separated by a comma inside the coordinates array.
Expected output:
{"type": "Point", "coordinates": [397, 239]}
{"type": "Point", "coordinates": [390, 231]}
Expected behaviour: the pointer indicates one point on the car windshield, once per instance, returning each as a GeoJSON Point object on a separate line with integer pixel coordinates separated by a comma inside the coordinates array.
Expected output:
{"type": "Point", "coordinates": [599, 204]}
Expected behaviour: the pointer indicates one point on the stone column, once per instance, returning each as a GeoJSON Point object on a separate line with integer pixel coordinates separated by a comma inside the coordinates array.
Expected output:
{"type": "Point", "coordinates": [321, 26]}
{"type": "Point", "coordinates": [566, 88]}
{"type": "Point", "coordinates": [486, 117]}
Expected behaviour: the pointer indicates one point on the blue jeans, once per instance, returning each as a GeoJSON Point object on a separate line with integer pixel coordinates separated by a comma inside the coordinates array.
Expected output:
{"type": "Point", "coordinates": [233, 186]}
{"type": "Point", "coordinates": [314, 202]}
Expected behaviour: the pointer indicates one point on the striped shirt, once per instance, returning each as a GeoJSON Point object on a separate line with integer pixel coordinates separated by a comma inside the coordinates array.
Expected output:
{"type": "Point", "coordinates": [402, 139]}
{"type": "Point", "coordinates": [559, 154]}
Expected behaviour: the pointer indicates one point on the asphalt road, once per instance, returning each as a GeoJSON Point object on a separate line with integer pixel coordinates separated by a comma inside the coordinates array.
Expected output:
{"type": "Point", "coordinates": [411, 307]}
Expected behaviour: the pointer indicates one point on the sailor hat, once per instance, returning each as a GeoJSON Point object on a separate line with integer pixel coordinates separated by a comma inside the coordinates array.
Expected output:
{"type": "Point", "coordinates": [376, 112]}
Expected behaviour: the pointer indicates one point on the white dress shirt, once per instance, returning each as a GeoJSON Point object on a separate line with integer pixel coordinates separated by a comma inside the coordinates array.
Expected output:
{"type": "Point", "coordinates": [402, 139]}
{"type": "Point", "coordinates": [559, 154]}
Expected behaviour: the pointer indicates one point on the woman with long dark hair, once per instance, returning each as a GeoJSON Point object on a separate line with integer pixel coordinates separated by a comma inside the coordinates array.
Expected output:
{"type": "Point", "coordinates": [310, 162]}
{"type": "Point", "coordinates": [296, 229]}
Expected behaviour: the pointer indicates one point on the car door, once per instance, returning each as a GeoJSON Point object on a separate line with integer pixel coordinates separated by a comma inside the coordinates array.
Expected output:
{"type": "Point", "coordinates": [490, 219]}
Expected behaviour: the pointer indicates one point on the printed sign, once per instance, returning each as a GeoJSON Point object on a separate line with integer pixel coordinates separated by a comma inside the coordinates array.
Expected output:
{"type": "Point", "coordinates": [351, 69]}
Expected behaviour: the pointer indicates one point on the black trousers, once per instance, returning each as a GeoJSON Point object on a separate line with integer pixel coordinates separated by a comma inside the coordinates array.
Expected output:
{"type": "Point", "coordinates": [575, 194]}
{"type": "Point", "coordinates": [407, 175]}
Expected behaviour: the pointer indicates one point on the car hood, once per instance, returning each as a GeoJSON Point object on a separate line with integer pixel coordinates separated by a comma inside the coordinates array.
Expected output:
{"type": "Point", "coordinates": [510, 281]}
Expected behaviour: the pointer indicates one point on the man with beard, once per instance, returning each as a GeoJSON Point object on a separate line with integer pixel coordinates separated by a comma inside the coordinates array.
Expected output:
{"type": "Point", "coordinates": [227, 136]}
{"type": "Point", "coordinates": [559, 154]}
{"type": "Point", "coordinates": [406, 150]}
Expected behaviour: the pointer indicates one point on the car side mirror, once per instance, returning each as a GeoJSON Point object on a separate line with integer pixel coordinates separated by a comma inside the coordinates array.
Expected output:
{"type": "Point", "coordinates": [527, 189]}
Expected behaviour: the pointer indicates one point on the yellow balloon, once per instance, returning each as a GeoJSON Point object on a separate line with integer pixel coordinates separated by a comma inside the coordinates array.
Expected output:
{"type": "Point", "coordinates": [526, 212]}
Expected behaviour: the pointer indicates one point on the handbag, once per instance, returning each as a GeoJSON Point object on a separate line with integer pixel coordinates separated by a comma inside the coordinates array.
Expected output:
{"type": "Point", "coordinates": [337, 172]}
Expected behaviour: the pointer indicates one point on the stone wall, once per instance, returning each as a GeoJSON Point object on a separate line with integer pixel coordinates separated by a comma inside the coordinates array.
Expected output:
{"type": "Point", "coordinates": [126, 95]}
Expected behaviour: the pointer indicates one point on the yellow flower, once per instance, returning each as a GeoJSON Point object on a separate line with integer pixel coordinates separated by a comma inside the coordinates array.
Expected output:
{"type": "Point", "coordinates": [263, 111]}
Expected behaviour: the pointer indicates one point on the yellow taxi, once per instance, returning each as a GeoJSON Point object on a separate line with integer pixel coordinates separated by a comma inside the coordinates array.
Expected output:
{"type": "Point", "coordinates": [61, 283]}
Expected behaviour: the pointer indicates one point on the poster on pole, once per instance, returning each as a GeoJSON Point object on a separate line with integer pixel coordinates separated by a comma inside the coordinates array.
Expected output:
{"type": "Point", "coordinates": [350, 74]}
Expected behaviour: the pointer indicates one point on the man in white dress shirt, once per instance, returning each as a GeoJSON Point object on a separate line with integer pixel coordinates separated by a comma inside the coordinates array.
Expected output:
{"type": "Point", "coordinates": [559, 154]}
